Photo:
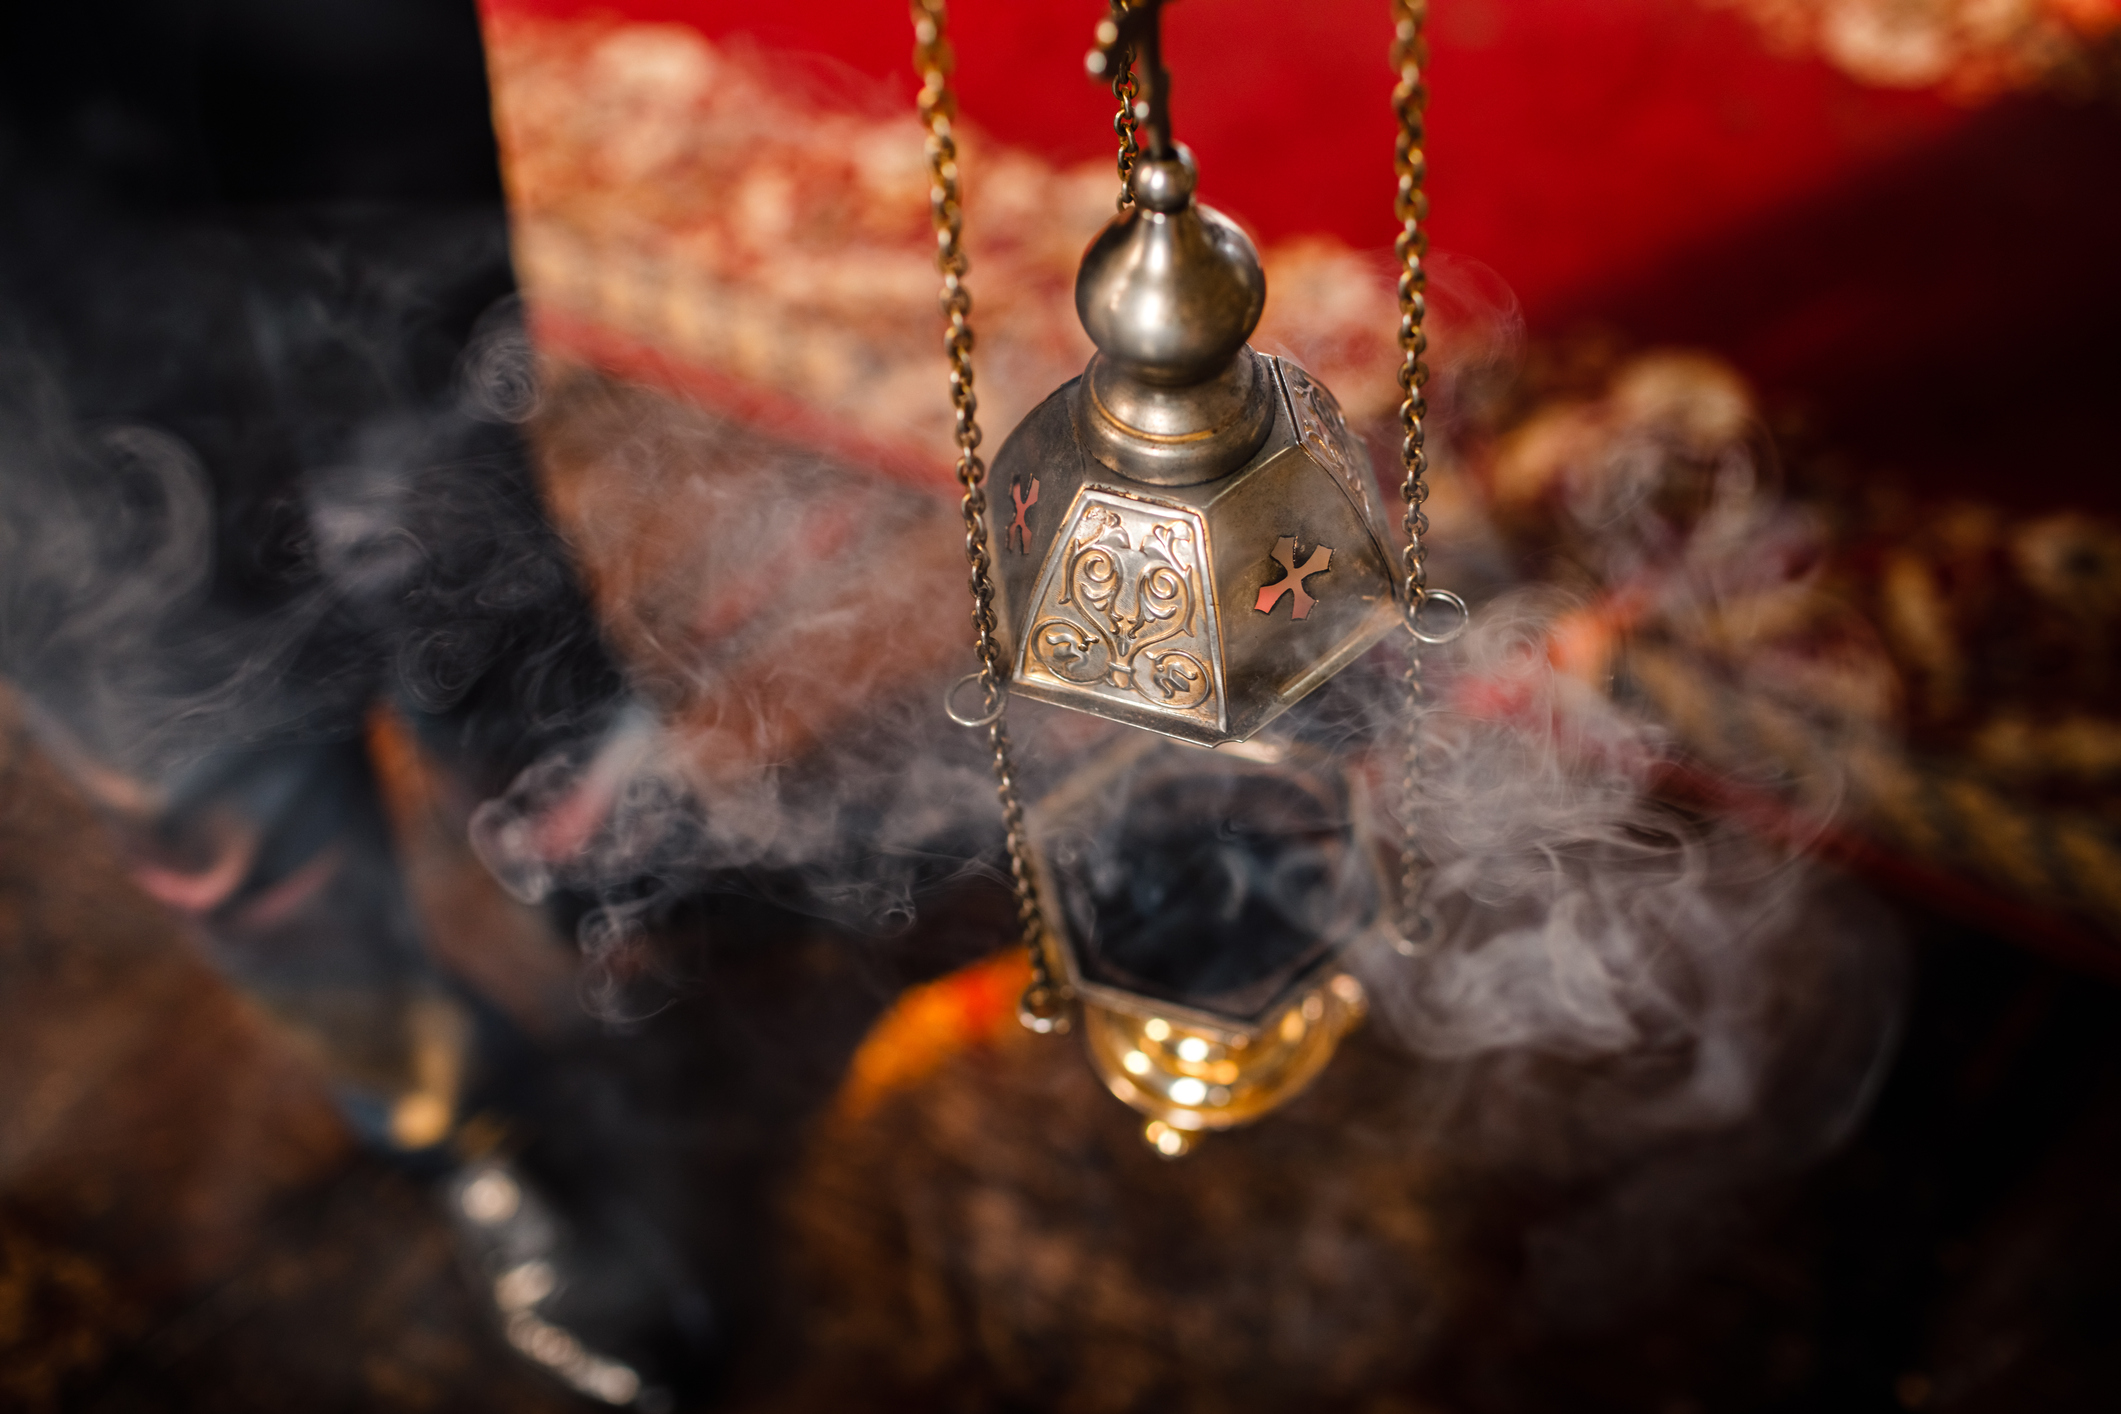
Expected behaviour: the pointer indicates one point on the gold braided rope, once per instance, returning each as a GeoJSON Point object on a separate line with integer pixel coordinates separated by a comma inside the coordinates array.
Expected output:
{"type": "Point", "coordinates": [1043, 1008]}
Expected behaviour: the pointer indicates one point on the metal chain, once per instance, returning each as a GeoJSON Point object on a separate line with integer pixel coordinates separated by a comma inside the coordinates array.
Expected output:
{"type": "Point", "coordinates": [1043, 1008]}
{"type": "Point", "coordinates": [1126, 89]}
{"type": "Point", "coordinates": [1410, 97]}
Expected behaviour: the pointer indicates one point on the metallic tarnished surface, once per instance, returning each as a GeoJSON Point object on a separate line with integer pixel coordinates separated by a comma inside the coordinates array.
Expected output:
{"type": "Point", "coordinates": [1124, 613]}
{"type": "Point", "coordinates": [1169, 291]}
{"type": "Point", "coordinates": [1298, 498]}
{"type": "Point", "coordinates": [1323, 431]}
{"type": "Point", "coordinates": [1176, 436]}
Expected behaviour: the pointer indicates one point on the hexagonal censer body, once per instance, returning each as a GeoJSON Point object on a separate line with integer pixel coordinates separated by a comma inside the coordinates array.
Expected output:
{"type": "Point", "coordinates": [1199, 611]}
{"type": "Point", "coordinates": [1187, 535]}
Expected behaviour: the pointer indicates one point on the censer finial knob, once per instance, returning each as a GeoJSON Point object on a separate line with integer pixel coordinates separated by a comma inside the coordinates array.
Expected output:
{"type": "Point", "coordinates": [1165, 184]}
{"type": "Point", "coordinates": [1170, 290]}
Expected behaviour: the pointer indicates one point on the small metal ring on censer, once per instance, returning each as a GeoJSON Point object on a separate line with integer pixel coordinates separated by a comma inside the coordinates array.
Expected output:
{"type": "Point", "coordinates": [988, 718]}
{"type": "Point", "coordinates": [1428, 597]}
{"type": "Point", "coordinates": [1043, 1011]}
{"type": "Point", "coordinates": [1426, 928]}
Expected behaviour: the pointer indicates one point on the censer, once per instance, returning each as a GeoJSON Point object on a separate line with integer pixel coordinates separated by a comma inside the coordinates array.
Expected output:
{"type": "Point", "coordinates": [1188, 544]}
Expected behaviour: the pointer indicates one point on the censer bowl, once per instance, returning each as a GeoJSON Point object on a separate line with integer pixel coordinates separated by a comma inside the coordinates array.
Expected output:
{"type": "Point", "coordinates": [1197, 903]}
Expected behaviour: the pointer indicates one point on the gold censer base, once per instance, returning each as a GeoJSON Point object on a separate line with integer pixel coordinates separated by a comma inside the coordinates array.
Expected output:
{"type": "Point", "coordinates": [1189, 1078]}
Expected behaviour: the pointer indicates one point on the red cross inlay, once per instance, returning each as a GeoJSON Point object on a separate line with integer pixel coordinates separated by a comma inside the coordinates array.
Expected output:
{"type": "Point", "coordinates": [1292, 583]}
{"type": "Point", "coordinates": [1019, 533]}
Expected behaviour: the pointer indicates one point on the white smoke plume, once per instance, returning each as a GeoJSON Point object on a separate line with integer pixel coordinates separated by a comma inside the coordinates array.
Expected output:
{"type": "Point", "coordinates": [1616, 986]}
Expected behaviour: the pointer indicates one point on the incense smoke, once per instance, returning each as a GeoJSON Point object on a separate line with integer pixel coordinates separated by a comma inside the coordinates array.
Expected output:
{"type": "Point", "coordinates": [1619, 991]}
{"type": "Point", "coordinates": [1616, 987]}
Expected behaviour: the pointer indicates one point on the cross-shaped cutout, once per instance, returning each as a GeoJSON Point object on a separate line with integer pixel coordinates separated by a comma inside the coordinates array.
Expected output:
{"type": "Point", "coordinates": [1292, 583]}
{"type": "Point", "coordinates": [1019, 533]}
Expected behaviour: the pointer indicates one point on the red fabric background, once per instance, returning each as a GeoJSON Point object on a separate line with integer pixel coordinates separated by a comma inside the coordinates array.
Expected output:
{"type": "Point", "coordinates": [1928, 281]}
{"type": "Point", "coordinates": [1574, 141]}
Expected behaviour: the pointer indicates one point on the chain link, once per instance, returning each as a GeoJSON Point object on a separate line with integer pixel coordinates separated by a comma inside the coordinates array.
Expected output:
{"type": "Point", "coordinates": [1410, 97]}
{"type": "Point", "coordinates": [1126, 89]}
{"type": "Point", "coordinates": [1043, 1008]}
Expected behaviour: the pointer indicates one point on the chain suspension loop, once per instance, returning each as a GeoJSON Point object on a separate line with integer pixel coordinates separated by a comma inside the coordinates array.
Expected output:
{"type": "Point", "coordinates": [1410, 97]}
{"type": "Point", "coordinates": [1043, 1007]}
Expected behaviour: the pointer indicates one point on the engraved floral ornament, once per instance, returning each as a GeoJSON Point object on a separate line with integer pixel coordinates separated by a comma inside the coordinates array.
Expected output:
{"type": "Point", "coordinates": [1122, 600]}
{"type": "Point", "coordinates": [1322, 430]}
